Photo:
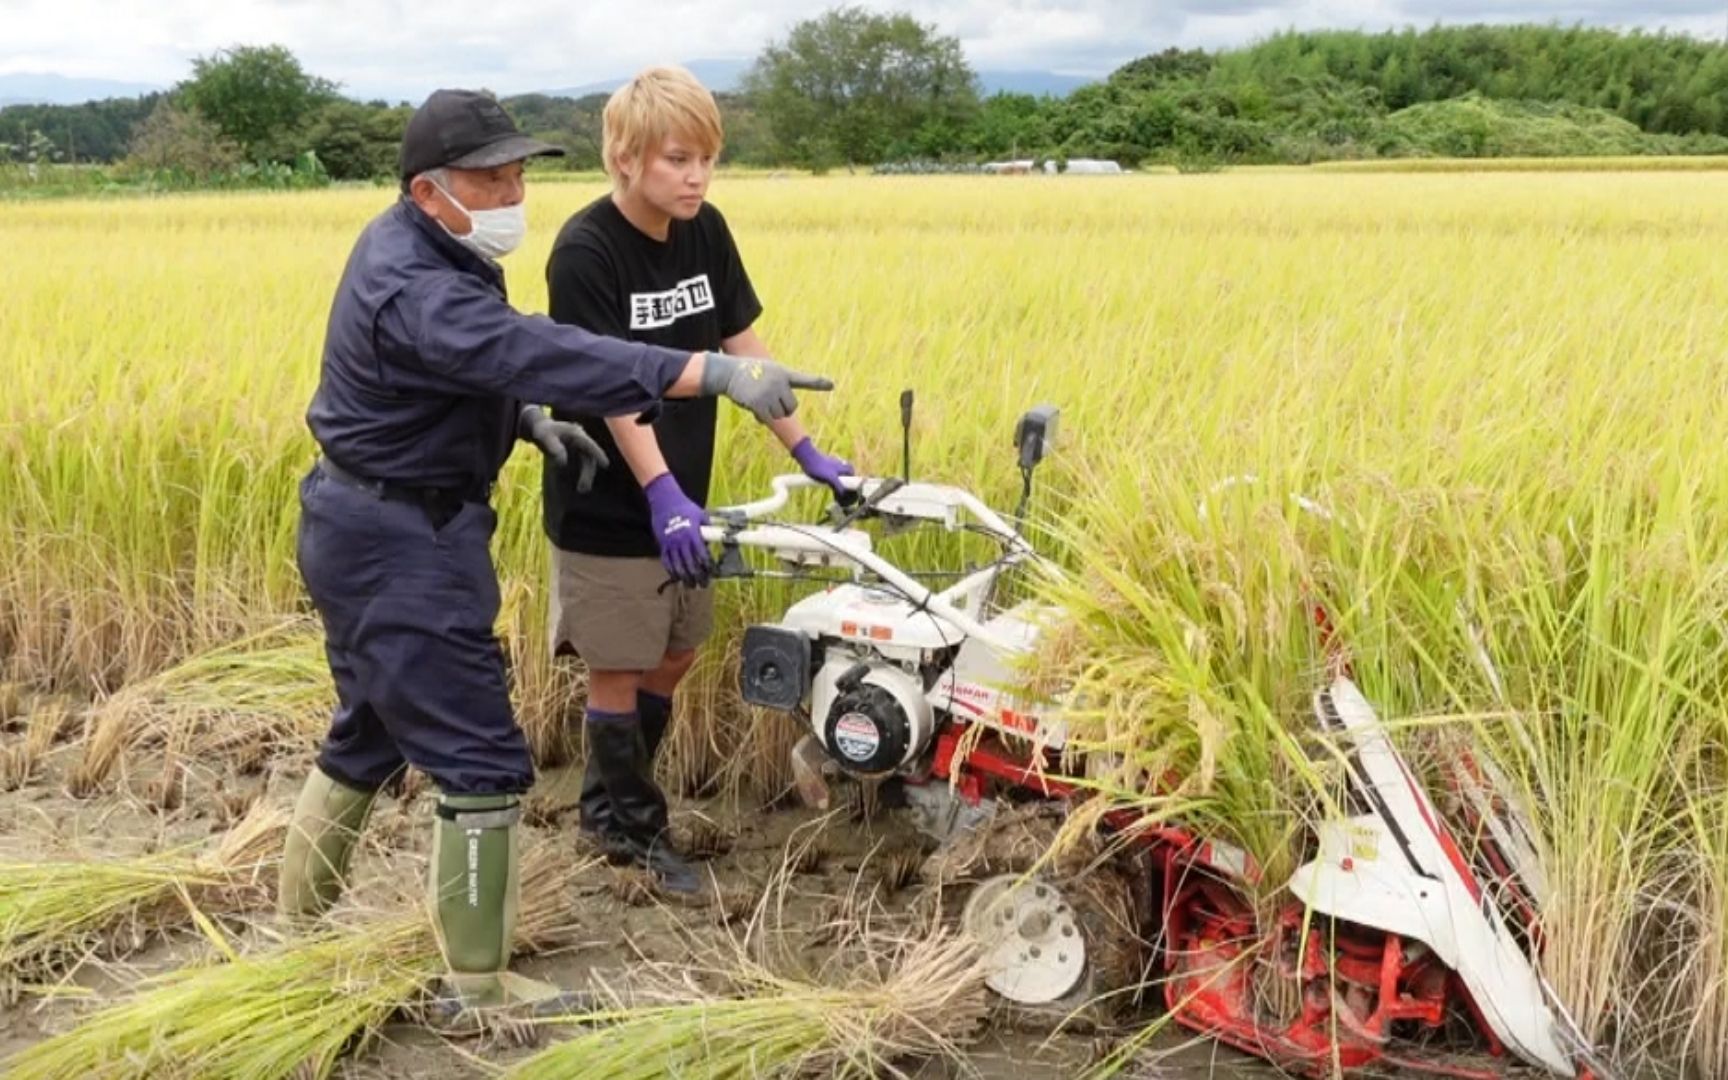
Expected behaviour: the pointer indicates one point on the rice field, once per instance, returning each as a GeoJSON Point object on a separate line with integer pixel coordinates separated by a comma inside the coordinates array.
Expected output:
{"type": "Point", "coordinates": [1507, 388]}
{"type": "Point", "coordinates": [1695, 163]}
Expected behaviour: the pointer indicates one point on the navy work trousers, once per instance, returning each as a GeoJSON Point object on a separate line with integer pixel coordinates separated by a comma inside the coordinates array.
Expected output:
{"type": "Point", "coordinates": [408, 611]}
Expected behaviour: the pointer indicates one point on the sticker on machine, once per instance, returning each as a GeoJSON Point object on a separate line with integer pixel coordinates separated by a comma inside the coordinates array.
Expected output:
{"type": "Point", "coordinates": [856, 737]}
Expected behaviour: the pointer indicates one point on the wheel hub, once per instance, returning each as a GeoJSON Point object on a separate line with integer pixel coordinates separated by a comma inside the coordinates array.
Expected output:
{"type": "Point", "coordinates": [1032, 948]}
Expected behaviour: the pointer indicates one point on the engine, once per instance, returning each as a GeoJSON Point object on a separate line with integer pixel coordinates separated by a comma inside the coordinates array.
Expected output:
{"type": "Point", "coordinates": [871, 717]}
{"type": "Point", "coordinates": [870, 711]}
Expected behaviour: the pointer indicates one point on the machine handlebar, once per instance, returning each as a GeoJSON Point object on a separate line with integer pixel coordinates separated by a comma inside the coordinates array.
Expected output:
{"type": "Point", "coordinates": [783, 486]}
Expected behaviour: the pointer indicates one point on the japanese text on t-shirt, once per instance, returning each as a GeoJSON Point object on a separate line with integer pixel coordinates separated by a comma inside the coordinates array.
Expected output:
{"type": "Point", "coordinates": [650, 311]}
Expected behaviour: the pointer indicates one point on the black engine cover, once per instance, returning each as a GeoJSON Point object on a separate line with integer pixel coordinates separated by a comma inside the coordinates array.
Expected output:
{"type": "Point", "coordinates": [774, 668]}
{"type": "Point", "coordinates": [866, 731]}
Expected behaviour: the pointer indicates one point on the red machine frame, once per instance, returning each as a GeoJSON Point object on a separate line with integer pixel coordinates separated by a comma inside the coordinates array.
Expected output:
{"type": "Point", "coordinates": [1356, 982]}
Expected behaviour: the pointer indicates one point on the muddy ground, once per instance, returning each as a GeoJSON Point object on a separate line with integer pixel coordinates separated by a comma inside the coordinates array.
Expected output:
{"type": "Point", "coordinates": [618, 924]}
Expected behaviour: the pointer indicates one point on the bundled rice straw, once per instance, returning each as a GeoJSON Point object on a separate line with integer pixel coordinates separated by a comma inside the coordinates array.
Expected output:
{"type": "Point", "coordinates": [762, 1008]}
{"type": "Point", "coordinates": [291, 1011]}
{"type": "Point", "coordinates": [239, 702]}
{"type": "Point", "coordinates": [52, 911]}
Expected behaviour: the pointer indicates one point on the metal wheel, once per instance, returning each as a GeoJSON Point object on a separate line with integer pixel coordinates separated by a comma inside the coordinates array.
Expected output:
{"type": "Point", "coordinates": [1033, 949]}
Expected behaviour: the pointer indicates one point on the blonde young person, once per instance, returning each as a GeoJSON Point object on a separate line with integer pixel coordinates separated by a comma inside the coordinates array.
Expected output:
{"type": "Point", "coordinates": [651, 262]}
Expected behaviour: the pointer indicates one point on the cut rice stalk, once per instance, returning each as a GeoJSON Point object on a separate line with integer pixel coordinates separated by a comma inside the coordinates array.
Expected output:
{"type": "Point", "coordinates": [293, 1010]}
{"type": "Point", "coordinates": [908, 1000]}
{"type": "Point", "coordinates": [20, 759]}
{"type": "Point", "coordinates": [52, 911]}
{"type": "Point", "coordinates": [273, 685]}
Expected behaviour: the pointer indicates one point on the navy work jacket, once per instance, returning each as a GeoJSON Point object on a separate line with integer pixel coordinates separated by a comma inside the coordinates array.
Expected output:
{"type": "Point", "coordinates": [426, 364]}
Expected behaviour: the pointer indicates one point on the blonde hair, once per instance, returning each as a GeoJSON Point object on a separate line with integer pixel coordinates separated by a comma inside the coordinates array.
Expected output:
{"type": "Point", "coordinates": [658, 102]}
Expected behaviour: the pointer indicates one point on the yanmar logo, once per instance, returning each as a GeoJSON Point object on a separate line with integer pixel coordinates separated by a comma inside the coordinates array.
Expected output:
{"type": "Point", "coordinates": [651, 311]}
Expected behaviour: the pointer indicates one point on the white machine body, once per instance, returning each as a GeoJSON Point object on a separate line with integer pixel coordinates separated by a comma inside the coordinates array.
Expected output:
{"type": "Point", "coordinates": [896, 658]}
{"type": "Point", "coordinates": [1396, 868]}
{"type": "Point", "coordinates": [976, 688]}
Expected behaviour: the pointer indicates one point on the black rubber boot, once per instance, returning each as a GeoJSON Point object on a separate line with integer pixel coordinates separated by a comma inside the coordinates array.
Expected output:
{"type": "Point", "coordinates": [596, 811]}
{"type": "Point", "coordinates": [656, 714]}
{"type": "Point", "coordinates": [618, 748]}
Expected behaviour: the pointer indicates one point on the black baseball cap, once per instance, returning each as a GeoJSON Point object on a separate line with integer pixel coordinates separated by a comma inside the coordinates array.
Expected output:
{"type": "Point", "coordinates": [464, 129]}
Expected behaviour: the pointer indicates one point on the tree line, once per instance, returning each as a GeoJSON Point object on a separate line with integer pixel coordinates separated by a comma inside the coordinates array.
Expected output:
{"type": "Point", "coordinates": [1443, 91]}
{"type": "Point", "coordinates": [856, 88]}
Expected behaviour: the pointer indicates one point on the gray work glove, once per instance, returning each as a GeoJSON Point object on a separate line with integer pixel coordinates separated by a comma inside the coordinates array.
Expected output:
{"type": "Point", "coordinates": [761, 386]}
{"type": "Point", "coordinates": [558, 439]}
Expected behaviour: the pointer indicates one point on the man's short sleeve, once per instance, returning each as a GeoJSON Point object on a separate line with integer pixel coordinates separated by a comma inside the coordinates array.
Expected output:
{"type": "Point", "coordinates": [739, 307]}
{"type": "Point", "coordinates": [582, 289]}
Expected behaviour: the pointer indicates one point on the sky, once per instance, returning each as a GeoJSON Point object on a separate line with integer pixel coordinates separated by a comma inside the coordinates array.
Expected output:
{"type": "Point", "coordinates": [401, 49]}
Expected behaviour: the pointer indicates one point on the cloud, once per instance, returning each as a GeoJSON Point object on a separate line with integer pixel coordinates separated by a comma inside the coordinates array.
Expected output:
{"type": "Point", "coordinates": [404, 48]}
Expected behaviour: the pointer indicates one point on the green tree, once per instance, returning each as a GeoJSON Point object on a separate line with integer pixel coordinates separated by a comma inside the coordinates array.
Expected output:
{"type": "Point", "coordinates": [1011, 125]}
{"type": "Point", "coordinates": [93, 131]}
{"type": "Point", "coordinates": [860, 83]}
{"type": "Point", "coordinates": [1664, 83]}
{"type": "Point", "coordinates": [749, 140]}
{"type": "Point", "coordinates": [259, 97]}
{"type": "Point", "coordinates": [1170, 66]}
{"type": "Point", "coordinates": [39, 149]}
{"type": "Point", "coordinates": [176, 139]}
{"type": "Point", "coordinates": [571, 123]}
{"type": "Point", "coordinates": [357, 142]}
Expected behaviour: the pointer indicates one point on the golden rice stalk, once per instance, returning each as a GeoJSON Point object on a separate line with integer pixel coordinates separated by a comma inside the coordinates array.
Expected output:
{"type": "Point", "coordinates": [548, 693]}
{"type": "Point", "coordinates": [1703, 996]}
{"type": "Point", "coordinates": [292, 1011]}
{"type": "Point", "coordinates": [12, 699]}
{"type": "Point", "coordinates": [19, 759]}
{"type": "Point", "coordinates": [1690, 164]}
{"type": "Point", "coordinates": [54, 910]}
{"type": "Point", "coordinates": [712, 738]}
{"type": "Point", "coordinates": [272, 687]}
{"type": "Point", "coordinates": [718, 744]}
{"type": "Point", "coordinates": [895, 1000]}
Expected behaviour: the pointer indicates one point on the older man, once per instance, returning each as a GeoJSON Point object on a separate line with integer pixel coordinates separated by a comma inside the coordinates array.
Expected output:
{"type": "Point", "coordinates": [425, 371]}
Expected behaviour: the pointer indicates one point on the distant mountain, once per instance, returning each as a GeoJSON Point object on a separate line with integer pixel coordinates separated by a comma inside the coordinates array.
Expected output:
{"type": "Point", "coordinates": [1031, 82]}
{"type": "Point", "coordinates": [719, 75]}
{"type": "Point", "coordinates": [725, 75]}
{"type": "Point", "coordinates": [42, 88]}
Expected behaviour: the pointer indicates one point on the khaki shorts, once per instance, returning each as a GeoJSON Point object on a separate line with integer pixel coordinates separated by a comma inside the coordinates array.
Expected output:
{"type": "Point", "coordinates": [610, 610]}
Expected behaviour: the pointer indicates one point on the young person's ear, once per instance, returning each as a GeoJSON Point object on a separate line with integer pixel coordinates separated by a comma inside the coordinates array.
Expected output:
{"type": "Point", "coordinates": [624, 163]}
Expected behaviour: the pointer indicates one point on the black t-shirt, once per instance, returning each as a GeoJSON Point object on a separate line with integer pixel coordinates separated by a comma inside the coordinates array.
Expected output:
{"type": "Point", "coordinates": [689, 292]}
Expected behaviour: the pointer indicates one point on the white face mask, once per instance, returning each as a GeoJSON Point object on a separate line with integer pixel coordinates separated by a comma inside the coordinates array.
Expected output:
{"type": "Point", "coordinates": [492, 234]}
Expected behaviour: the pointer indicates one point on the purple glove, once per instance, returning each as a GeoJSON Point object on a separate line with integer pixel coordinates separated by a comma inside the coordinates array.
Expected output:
{"type": "Point", "coordinates": [678, 530]}
{"type": "Point", "coordinates": [824, 469]}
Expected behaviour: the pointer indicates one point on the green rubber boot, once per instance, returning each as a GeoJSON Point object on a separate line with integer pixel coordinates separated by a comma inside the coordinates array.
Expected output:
{"type": "Point", "coordinates": [474, 884]}
{"type": "Point", "coordinates": [327, 821]}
